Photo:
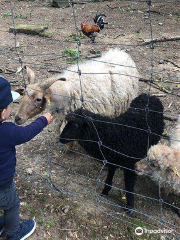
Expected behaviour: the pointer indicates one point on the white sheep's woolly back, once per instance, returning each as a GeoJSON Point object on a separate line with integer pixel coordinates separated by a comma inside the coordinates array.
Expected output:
{"type": "Point", "coordinates": [175, 136]}
{"type": "Point", "coordinates": [108, 94]}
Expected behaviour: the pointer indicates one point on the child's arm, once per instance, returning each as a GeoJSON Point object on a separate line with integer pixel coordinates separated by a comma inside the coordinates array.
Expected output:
{"type": "Point", "coordinates": [25, 134]}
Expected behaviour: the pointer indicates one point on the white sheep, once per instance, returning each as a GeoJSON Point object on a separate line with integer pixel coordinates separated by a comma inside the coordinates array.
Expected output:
{"type": "Point", "coordinates": [164, 164]}
{"type": "Point", "coordinates": [109, 84]}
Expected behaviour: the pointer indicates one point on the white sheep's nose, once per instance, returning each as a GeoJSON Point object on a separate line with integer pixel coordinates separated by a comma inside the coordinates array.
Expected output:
{"type": "Point", "coordinates": [18, 120]}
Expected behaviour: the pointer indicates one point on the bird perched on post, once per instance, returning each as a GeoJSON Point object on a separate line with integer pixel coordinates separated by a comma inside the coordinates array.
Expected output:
{"type": "Point", "coordinates": [91, 31]}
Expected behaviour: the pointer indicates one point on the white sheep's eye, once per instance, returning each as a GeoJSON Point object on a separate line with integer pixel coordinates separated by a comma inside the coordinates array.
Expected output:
{"type": "Point", "coordinates": [38, 99]}
{"type": "Point", "coordinates": [75, 125]}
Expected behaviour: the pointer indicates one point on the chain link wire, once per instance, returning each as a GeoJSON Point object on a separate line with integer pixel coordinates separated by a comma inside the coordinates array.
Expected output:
{"type": "Point", "coordinates": [100, 201]}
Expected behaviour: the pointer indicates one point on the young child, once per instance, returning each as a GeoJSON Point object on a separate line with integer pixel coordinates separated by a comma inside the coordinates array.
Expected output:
{"type": "Point", "coordinates": [10, 136]}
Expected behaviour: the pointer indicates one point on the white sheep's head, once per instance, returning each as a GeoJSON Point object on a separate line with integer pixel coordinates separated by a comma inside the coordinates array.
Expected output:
{"type": "Point", "coordinates": [143, 168]}
{"type": "Point", "coordinates": [146, 165]}
{"type": "Point", "coordinates": [34, 97]}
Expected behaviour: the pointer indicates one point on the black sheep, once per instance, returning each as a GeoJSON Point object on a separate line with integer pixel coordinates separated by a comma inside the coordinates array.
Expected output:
{"type": "Point", "coordinates": [130, 144]}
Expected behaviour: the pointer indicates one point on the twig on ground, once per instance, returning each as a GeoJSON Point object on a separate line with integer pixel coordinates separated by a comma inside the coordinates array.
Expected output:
{"type": "Point", "coordinates": [170, 118]}
{"type": "Point", "coordinates": [112, 7]}
{"type": "Point", "coordinates": [144, 80]}
{"type": "Point", "coordinates": [50, 59]}
{"type": "Point", "coordinates": [173, 63]}
{"type": "Point", "coordinates": [153, 11]}
{"type": "Point", "coordinates": [158, 94]}
{"type": "Point", "coordinates": [79, 2]}
{"type": "Point", "coordinates": [93, 56]}
{"type": "Point", "coordinates": [165, 39]}
{"type": "Point", "coordinates": [163, 89]}
{"type": "Point", "coordinates": [158, 86]}
{"type": "Point", "coordinates": [68, 229]}
{"type": "Point", "coordinates": [15, 84]}
{"type": "Point", "coordinates": [9, 71]}
{"type": "Point", "coordinates": [170, 105]}
{"type": "Point", "coordinates": [54, 71]}
{"type": "Point", "coordinates": [155, 85]}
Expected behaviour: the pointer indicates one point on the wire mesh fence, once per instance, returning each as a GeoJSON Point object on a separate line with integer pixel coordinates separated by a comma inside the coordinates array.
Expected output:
{"type": "Point", "coordinates": [152, 76]}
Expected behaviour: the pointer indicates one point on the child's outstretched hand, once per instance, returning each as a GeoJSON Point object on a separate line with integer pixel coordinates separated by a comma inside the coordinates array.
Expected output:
{"type": "Point", "coordinates": [49, 117]}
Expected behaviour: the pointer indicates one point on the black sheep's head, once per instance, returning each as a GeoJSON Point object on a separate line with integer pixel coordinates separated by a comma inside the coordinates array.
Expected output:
{"type": "Point", "coordinates": [75, 129]}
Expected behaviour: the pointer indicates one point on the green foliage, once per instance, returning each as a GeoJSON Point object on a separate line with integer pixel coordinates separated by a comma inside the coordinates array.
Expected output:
{"type": "Point", "coordinates": [9, 14]}
{"type": "Point", "coordinates": [71, 52]}
{"type": "Point", "coordinates": [50, 223]}
{"type": "Point", "coordinates": [75, 37]}
{"type": "Point", "coordinates": [139, 223]}
{"type": "Point", "coordinates": [72, 55]}
{"type": "Point", "coordinates": [41, 223]}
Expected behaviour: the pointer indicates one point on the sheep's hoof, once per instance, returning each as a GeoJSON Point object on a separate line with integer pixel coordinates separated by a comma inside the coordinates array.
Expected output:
{"type": "Point", "coordinates": [129, 211]}
{"type": "Point", "coordinates": [177, 211]}
{"type": "Point", "coordinates": [104, 192]}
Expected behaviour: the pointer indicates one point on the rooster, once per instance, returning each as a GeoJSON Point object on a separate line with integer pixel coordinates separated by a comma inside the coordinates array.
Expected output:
{"type": "Point", "coordinates": [91, 31]}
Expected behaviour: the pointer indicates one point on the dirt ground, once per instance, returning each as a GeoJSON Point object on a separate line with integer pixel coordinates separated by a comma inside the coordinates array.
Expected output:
{"type": "Point", "coordinates": [60, 189]}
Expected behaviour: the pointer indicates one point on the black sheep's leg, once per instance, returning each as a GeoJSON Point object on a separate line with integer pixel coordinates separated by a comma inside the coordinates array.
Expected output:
{"type": "Point", "coordinates": [108, 183]}
{"type": "Point", "coordinates": [129, 179]}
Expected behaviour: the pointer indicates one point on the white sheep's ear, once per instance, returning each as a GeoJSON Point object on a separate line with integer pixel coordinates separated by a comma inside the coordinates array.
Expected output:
{"type": "Point", "coordinates": [45, 85]}
{"type": "Point", "coordinates": [20, 91]}
{"type": "Point", "coordinates": [30, 74]}
{"type": "Point", "coordinates": [155, 163]}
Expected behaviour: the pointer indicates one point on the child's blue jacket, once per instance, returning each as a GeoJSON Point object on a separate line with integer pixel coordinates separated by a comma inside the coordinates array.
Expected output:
{"type": "Point", "coordinates": [10, 136]}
